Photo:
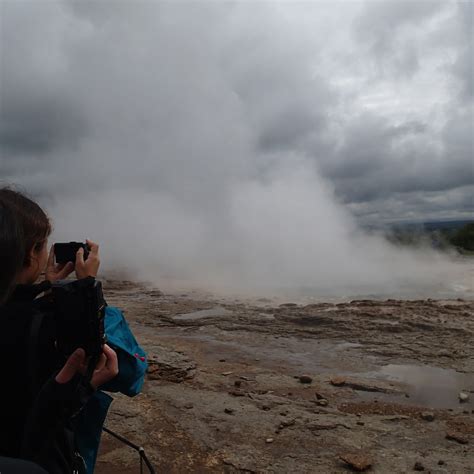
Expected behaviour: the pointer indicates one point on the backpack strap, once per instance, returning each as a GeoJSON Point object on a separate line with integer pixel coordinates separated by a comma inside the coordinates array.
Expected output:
{"type": "Point", "coordinates": [33, 359]}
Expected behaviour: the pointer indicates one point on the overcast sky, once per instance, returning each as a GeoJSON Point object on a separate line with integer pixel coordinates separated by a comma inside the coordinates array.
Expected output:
{"type": "Point", "coordinates": [379, 95]}
{"type": "Point", "coordinates": [200, 109]}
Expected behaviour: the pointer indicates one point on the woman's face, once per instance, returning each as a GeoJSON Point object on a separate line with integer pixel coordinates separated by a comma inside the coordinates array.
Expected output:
{"type": "Point", "coordinates": [42, 256]}
{"type": "Point", "coordinates": [38, 261]}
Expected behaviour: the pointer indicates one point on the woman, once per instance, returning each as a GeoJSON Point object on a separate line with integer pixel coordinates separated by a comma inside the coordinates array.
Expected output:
{"type": "Point", "coordinates": [37, 424]}
{"type": "Point", "coordinates": [11, 256]}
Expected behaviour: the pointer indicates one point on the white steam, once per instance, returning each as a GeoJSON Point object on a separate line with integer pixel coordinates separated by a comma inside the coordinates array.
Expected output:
{"type": "Point", "coordinates": [282, 235]}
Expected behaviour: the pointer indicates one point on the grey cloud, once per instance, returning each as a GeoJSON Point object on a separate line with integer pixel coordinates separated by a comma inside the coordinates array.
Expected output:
{"type": "Point", "coordinates": [369, 143]}
{"type": "Point", "coordinates": [269, 69]}
{"type": "Point", "coordinates": [389, 29]}
{"type": "Point", "coordinates": [463, 67]}
{"type": "Point", "coordinates": [380, 22]}
{"type": "Point", "coordinates": [38, 124]}
{"type": "Point", "coordinates": [157, 114]}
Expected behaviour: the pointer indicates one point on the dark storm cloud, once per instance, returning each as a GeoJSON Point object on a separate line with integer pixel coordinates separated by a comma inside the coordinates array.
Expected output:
{"type": "Point", "coordinates": [35, 124]}
{"type": "Point", "coordinates": [378, 158]}
{"type": "Point", "coordinates": [368, 144]}
{"type": "Point", "coordinates": [39, 113]}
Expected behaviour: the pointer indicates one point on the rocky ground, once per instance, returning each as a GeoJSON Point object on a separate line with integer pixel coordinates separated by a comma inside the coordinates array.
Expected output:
{"type": "Point", "coordinates": [255, 386]}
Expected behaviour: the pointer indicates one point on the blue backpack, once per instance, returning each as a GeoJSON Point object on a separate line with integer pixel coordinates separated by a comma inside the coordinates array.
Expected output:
{"type": "Point", "coordinates": [129, 381]}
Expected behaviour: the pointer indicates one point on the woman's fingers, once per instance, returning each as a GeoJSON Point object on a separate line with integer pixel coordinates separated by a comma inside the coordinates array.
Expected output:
{"type": "Point", "coordinates": [112, 361]}
{"type": "Point", "coordinates": [106, 368]}
{"type": "Point", "coordinates": [101, 362]}
{"type": "Point", "coordinates": [94, 248]}
{"type": "Point", "coordinates": [80, 257]}
{"type": "Point", "coordinates": [51, 257]}
{"type": "Point", "coordinates": [64, 269]}
{"type": "Point", "coordinates": [108, 371]}
{"type": "Point", "coordinates": [72, 366]}
{"type": "Point", "coordinates": [90, 267]}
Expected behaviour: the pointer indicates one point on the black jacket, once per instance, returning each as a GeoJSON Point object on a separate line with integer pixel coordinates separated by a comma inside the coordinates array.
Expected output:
{"type": "Point", "coordinates": [36, 413]}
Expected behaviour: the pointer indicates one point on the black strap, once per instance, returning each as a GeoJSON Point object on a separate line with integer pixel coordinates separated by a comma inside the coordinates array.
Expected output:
{"type": "Point", "coordinates": [139, 449]}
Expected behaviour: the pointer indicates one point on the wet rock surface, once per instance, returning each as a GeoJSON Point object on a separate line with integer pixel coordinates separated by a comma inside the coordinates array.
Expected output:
{"type": "Point", "coordinates": [357, 461]}
{"type": "Point", "coordinates": [222, 384]}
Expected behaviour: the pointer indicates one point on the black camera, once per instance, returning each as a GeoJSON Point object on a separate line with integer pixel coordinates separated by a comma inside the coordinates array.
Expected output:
{"type": "Point", "coordinates": [79, 311]}
{"type": "Point", "coordinates": [66, 252]}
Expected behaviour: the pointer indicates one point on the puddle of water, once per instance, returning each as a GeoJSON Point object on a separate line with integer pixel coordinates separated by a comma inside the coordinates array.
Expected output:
{"type": "Point", "coordinates": [347, 345]}
{"type": "Point", "coordinates": [432, 387]}
{"type": "Point", "coordinates": [205, 313]}
{"type": "Point", "coordinates": [266, 317]}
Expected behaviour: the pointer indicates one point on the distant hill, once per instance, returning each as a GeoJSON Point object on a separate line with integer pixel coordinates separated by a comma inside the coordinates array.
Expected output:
{"type": "Point", "coordinates": [434, 225]}
{"type": "Point", "coordinates": [420, 226]}
{"type": "Point", "coordinates": [446, 234]}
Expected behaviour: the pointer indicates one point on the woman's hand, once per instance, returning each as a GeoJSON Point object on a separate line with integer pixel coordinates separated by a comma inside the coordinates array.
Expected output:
{"type": "Point", "coordinates": [90, 267]}
{"type": "Point", "coordinates": [58, 271]}
{"type": "Point", "coordinates": [76, 362]}
{"type": "Point", "coordinates": [106, 368]}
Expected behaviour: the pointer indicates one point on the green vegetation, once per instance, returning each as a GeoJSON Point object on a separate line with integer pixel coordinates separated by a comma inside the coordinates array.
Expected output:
{"type": "Point", "coordinates": [443, 236]}
{"type": "Point", "coordinates": [464, 238]}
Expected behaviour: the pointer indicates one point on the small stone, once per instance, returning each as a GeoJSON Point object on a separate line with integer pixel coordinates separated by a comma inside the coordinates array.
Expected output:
{"type": "Point", "coordinates": [360, 423]}
{"type": "Point", "coordinates": [428, 416]}
{"type": "Point", "coordinates": [458, 437]}
{"type": "Point", "coordinates": [463, 397]}
{"type": "Point", "coordinates": [237, 393]}
{"type": "Point", "coordinates": [229, 411]}
{"type": "Point", "coordinates": [226, 373]}
{"type": "Point", "coordinates": [269, 440]}
{"type": "Point", "coordinates": [323, 402]}
{"type": "Point", "coordinates": [418, 466]}
{"type": "Point", "coordinates": [318, 396]}
{"type": "Point", "coordinates": [238, 383]}
{"type": "Point", "coordinates": [305, 379]}
{"type": "Point", "coordinates": [265, 407]}
{"type": "Point", "coordinates": [188, 406]}
{"type": "Point", "coordinates": [444, 352]}
{"type": "Point", "coordinates": [337, 381]}
{"type": "Point", "coordinates": [358, 461]}
{"type": "Point", "coordinates": [286, 423]}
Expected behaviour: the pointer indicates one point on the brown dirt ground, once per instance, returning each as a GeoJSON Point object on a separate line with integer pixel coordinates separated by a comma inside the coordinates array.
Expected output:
{"type": "Point", "coordinates": [223, 393]}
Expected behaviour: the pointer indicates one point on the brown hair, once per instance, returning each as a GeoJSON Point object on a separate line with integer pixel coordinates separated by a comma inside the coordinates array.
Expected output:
{"type": "Point", "coordinates": [11, 250]}
{"type": "Point", "coordinates": [34, 222]}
